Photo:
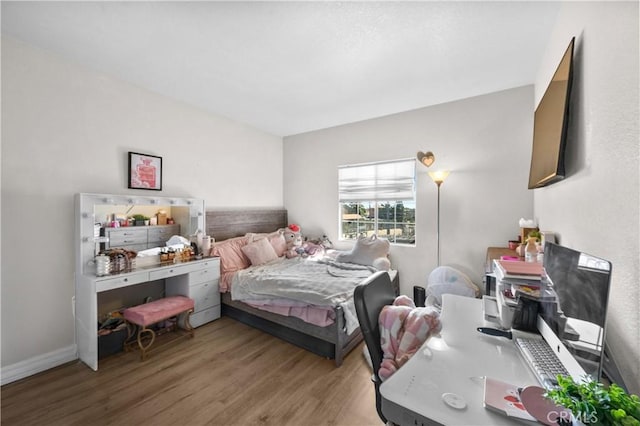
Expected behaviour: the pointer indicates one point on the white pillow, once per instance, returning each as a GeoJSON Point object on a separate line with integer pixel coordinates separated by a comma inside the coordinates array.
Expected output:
{"type": "Point", "coordinates": [447, 280]}
{"type": "Point", "coordinates": [260, 252]}
{"type": "Point", "coordinates": [370, 251]}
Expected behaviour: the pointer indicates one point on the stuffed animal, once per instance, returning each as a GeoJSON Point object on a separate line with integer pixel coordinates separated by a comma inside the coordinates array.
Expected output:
{"type": "Point", "coordinates": [312, 249]}
{"type": "Point", "coordinates": [293, 238]}
{"type": "Point", "coordinates": [326, 242]}
{"type": "Point", "coordinates": [370, 251]}
{"type": "Point", "coordinates": [323, 241]}
{"type": "Point", "coordinates": [297, 246]}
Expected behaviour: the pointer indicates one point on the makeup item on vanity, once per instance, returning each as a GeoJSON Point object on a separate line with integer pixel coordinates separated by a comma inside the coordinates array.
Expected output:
{"type": "Point", "coordinates": [103, 265]}
{"type": "Point", "coordinates": [207, 244]}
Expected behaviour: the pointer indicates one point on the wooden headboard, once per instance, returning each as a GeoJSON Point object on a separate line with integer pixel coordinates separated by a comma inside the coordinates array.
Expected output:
{"type": "Point", "coordinates": [225, 224]}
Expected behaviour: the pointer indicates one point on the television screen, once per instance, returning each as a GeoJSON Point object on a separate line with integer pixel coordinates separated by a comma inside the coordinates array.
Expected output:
{"type": "Point", "coordinates": [550, 126]}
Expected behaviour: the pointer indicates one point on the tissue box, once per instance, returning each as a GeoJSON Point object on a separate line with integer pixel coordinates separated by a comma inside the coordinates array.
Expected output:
{"type": "Point", "coordinates": [162, 218]}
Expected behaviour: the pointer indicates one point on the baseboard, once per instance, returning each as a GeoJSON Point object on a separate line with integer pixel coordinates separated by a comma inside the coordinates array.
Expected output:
{"type": "Point", "coordinates": [39, 363]}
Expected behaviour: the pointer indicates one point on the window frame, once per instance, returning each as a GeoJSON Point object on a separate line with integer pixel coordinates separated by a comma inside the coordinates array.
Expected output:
{"type": "Point", "coordinates": [377, 205]}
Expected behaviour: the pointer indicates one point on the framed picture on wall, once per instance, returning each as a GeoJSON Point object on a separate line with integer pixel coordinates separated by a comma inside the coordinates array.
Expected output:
{"type": "Point", "coordinates": [145, 171]}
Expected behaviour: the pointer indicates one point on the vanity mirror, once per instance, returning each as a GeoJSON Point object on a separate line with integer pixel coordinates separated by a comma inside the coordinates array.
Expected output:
{"type": "Point", "coordinates": [98, 216]}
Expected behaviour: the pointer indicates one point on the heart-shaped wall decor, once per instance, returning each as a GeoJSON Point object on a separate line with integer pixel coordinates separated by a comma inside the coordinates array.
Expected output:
{"type": "Point", "coordinates": [426, 158]}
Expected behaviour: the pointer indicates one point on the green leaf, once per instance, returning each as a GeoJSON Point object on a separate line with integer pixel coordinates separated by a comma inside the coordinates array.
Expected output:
{"type": "Point", "coordinates": [591, 400]}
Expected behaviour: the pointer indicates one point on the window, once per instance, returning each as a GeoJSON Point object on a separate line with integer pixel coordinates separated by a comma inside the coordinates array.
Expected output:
{"type": "Point", "coordinates": [378, 198]}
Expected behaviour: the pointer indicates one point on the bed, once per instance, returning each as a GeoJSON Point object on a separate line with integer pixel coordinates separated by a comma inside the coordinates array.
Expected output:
{"type": "Point", "coordinates": [330, 341]}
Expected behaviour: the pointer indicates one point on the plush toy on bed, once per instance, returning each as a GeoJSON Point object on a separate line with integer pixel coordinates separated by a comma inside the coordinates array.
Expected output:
{"type": "Point", "coordinates": [370, 251]}
{"type": "Point", "coordinates": [296, 246]}
{"type": "Point", "coordinates": [293, 237]}
{"type": "Point", "coordinates": [323, 241]}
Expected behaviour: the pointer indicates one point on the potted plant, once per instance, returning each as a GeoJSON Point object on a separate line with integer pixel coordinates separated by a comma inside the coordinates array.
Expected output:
{"type": "Point", "coordinates": [593, 404]}
{"type": "Point", "coordinates": [139, 219]}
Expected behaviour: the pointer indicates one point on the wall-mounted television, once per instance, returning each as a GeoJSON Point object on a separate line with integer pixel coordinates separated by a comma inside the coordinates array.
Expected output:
{"type": "Point", "coordinates": [550, 126]}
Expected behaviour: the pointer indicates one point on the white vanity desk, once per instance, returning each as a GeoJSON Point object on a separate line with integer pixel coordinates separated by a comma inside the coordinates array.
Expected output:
{"type": "Point", "coordinates": [198, 279]}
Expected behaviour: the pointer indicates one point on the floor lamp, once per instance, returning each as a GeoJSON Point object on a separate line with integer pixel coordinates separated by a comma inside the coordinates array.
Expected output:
{"type": "Point", "coordinates": [439, 177]}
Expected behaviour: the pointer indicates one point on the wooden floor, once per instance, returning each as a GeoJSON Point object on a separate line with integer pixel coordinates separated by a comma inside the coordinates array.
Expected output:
{"type": "Point", "coordinates": [229, 374]}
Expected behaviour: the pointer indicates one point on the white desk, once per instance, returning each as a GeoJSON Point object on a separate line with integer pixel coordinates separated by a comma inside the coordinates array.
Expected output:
{"type": "Point", "coordinates": [454, 362]}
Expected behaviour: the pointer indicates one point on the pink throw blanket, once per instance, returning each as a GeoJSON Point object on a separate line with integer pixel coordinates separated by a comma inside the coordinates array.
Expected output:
{"type": "Point", "coordinates": [403, 329]}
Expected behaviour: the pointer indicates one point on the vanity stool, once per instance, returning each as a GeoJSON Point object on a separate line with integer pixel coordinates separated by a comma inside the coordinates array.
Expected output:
{"type": "Point", "coordinates": [142, 316]}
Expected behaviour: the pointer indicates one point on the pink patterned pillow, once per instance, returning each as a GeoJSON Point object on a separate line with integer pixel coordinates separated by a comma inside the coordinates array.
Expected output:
{"type": "Point", "coordinates": [260, 252]}
{"type": "Point", "coordinates": [231, 256]}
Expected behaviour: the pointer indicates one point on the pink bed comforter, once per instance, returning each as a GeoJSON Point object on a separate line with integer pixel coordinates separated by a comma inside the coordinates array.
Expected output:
{"type": "Point", "coordinates": [403, 329]}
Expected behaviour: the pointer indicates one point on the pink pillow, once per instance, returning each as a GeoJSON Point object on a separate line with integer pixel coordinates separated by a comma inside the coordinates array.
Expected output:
{"type": "Point", "coordinates": [260, 252]}
{"type": "Point", "coordinates": [278, 243]}
{"type": "Point", "coordinates": [231, 256]}
{"type": "Point", "coordinates": [276, 239]}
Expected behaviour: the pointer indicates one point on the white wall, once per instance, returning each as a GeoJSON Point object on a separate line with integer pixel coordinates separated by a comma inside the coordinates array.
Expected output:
{"type": "Point", "coordinates": [67, 129]}
{"type": "Point", "coordinates": [596, 209]}
{"type": "Point", "coordinates": [484, 141]}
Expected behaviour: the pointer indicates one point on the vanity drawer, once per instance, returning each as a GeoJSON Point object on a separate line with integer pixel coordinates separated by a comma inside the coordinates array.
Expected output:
{"type": "Point", "coordinates": [134, 247]}
{"type": "Point", "coordinates": [210, 273]}
{"type": "Point", "coordinates": [127, 237]}
{"type": "Point", "coordinates": [104, 284]}
{"type": "Point", "coordinates": [168, 272]}
{"type": "Point", "coordinates": [205, 295]}
{"type": "Point", "coordinates": [160, 234]}
{"type": "Point", "coordinates": [205, 316]}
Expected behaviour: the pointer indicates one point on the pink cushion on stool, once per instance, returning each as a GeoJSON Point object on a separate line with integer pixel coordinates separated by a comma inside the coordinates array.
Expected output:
{"type": "Point", "coordinates": [158, 310]}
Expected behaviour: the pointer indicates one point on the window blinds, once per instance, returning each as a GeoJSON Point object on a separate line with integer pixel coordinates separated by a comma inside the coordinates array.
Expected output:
{"type": "Point", "coordinates": [385, 181]}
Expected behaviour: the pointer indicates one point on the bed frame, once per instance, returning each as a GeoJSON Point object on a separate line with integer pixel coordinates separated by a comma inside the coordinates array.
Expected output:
{"type": "Point", "coordinates": [329, 342]}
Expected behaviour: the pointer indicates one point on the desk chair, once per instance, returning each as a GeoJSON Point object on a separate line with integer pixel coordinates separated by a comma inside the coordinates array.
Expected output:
{"type": "Point", "coordinates": [369, 299]}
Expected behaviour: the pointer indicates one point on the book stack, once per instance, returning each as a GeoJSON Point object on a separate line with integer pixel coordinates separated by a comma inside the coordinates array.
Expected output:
{"type": "Point", "coordinates": [513, 280]}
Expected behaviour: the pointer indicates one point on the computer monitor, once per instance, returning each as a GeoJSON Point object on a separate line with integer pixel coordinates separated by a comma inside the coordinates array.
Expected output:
{"type": "Point", "coordinates": [574, 322]}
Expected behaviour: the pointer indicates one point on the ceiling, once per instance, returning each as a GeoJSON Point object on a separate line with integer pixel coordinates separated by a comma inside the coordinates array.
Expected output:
{"type": "Point", "coordinates": [293, 67]}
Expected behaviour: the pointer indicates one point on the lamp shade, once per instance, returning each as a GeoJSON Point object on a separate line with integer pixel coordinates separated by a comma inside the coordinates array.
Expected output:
{"type": "Point", "coordinates": [439, 176]}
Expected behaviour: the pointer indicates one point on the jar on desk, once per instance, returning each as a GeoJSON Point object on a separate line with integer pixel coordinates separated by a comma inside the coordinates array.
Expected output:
{"type": "Point", "coordinates": [531, 250]}
{"type": "Point", "coordinates": [103, 265]}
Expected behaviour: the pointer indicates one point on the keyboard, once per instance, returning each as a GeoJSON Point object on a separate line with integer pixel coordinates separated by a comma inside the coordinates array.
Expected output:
{"type": "Point", "coordinates": [542, 360]}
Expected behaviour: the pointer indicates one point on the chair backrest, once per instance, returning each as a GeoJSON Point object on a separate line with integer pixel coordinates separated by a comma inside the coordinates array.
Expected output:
{"type": "Point", "coordinates": [369, 299]}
